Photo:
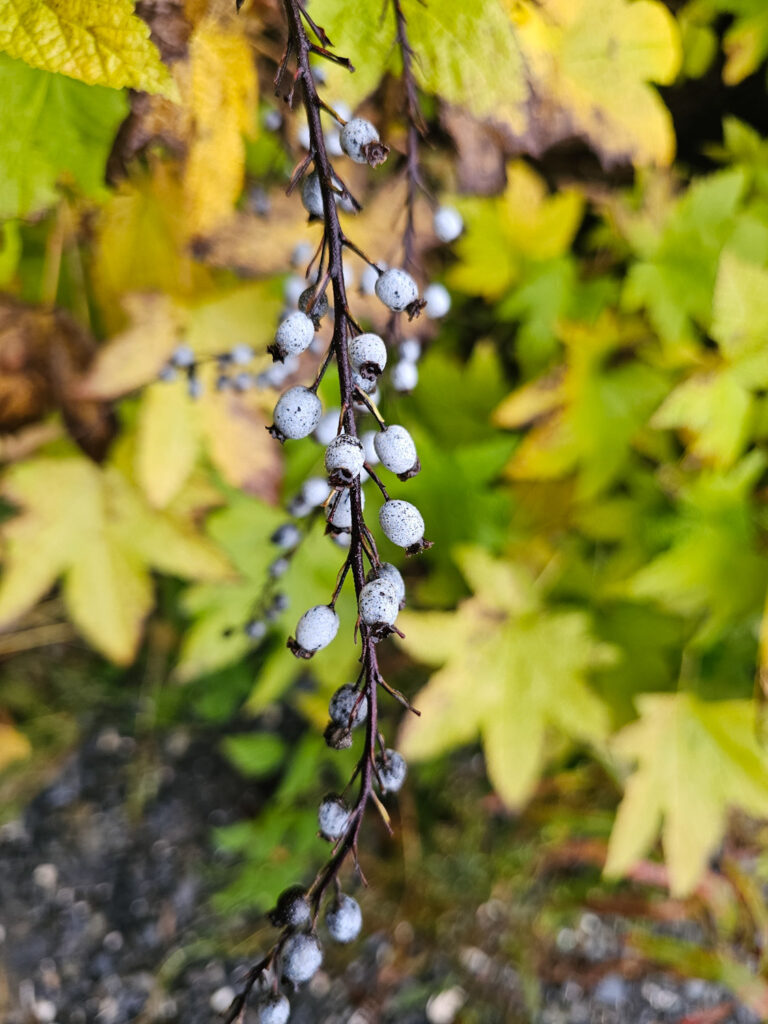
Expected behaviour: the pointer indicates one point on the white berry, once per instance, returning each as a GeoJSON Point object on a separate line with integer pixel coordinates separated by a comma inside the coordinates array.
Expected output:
{"type": "Point", "coordinates": [404, 376]}
{"type": "Point", "coordinates": [392, 769]}
{"type": "Point", "coordinates": [344, 702]}
{"type": "Point", "coordinates": [344, 458]}
{"type": "Point", "coordinates": [389, 572]}
{"type": "Point", "coordinates": [314, 491]}
{"type": "Point", "coordinates": [369, 448]}
{"type": "Point", "coordinates": [332, 817]}
{"type": "Point", "coordinates": [297, 413]}
{"type": "Point", "coordinates": [438, 301]}
{"type": "Point", "coordinates": [397, 289]}
{"type": "Point", "coordinates": [312, 196]}
{"type": "Point", "coordinates": [301, 958]}
{"type": "Point", "coordinates": [183, 356]}
{"type": "Point", "coordinates": [286, 536]}
{"type": "Point", "coordinates": [378, 606]}
{"type": "Point", "coordinates": [273, 1009]}
{"type": "Point", "coordinates": [369, 277]}
{"type": "Point", "coordinates": [396, 451]}
{"type": "Point", "coordinates": [344, 919]}
{"type": "Point", "coordinates": [402, 523]}
{"type": "Point", "coordinates": [448, 223]}
{"type": "Point", "coordinates": [356, 135]}
{"type": "Point", "coordinates": [294, 335]}
{"type": "Point", "coordinates": [368, 355]}
{"type": "Point", "coordinates": [340, 510]}
{"type": "Point", "coordinates": [410, 350]}
{"type": "Point", "coordinates": [327, 427]}
{"type": "Point", "coordinates": [316, 628]}
{"type": "Point", "coordinates": [292, 909]}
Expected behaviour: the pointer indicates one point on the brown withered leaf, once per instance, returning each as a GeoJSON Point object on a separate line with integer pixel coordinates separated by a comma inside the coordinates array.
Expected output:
{"type": "Point", "coordinates": [42, 356]}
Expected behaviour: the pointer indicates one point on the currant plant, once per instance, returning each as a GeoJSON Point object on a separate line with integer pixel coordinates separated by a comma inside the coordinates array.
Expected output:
{"type": "Point", "coordinates": [360, 359]}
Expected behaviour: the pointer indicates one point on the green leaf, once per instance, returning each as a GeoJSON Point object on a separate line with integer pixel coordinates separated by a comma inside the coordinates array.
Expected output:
{"type": "Point", "coordinates": [694, 761]}
{"type": "Point", "coordinates": [511, 671]}
{"type": "Point", "coordinates": [255, 754]}
{"type": "Point", "coordinates": [53, 131]}
{"type": "Point", "coordinates": [740, 318]}
{"type": "Point", "coordinates": [85, 39]}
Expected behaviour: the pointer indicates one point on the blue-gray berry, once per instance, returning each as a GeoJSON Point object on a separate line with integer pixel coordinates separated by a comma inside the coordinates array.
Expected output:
{"type": "Point", "coordinates": [286, 536]}
{"type": "Point", "coordinates": [344, 919]}
{"type": "Point", "coordinates": [332, 817]}
{"type": "Point", "coordinates": [391, 769]}
{"type": "Point", "coordinates": [183, 356]}
{"type": "Point", "coordinates": [301, 958]}
{"type": "Point", "coordinates": [312, 196]}
{"type": "Point", "coordinates": [346, 701]}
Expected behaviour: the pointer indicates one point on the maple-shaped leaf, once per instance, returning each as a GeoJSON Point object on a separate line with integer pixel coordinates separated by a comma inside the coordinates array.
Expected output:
{"type": "Point", "coordinates": [678, 242]}
{"type": "Point", "coordinates": [98, 43]}
{"type": "Point", "coordinates": [91, 528]}
{"type": "Point", "coordinates": [53, 131]}
{"type": "Point", "coordinates": [173, 430]}
{"type": "Point", "coordinates": [714, 413]}
{"type": "Point", "coordinates": [589, 64]}
{"type": "Point", "coordinates": [695, 759]}
{"type": "Point", "coordinates": [583, 418]}
{"type": "Point", "coordinates": [511, 670]}
{"type": "Point", "coordinates": [714, 541]}
{"type": "Point", "coordinates": [523, 225]}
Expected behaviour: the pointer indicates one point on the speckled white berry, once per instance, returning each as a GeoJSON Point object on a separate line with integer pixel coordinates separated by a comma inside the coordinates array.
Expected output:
{"type": "Point", "coordinates": [344, 919]}
{"type": "Point", "coordinates": [448, 223]}
{"type": "Point", "coordinates": [392, 770]}
{"type": "Point", "coordinates": [297, 413]}
{"type": "Point", "coordinates": [402, 523]}
{"type": "Point", "coordinates": [397, 289]}
{"type": "Point", "coordinates": [301, 957]}
{"type": "Point", "coordinates": [344, 702]}
{"type": "Point", "coordinates": [355, 136]}
{"type": "Point", "coordinates": [396, 450]}
{"type": "Point", "coordinates": [404, 376]}
{"type": "Point", "coordinates": [368, 355]}
{"type": "Point", "coordinates": [344, 458]}
{"type": "Point", "coordinates": [378, 605]}
{"type": "Point", "coordinates": [438, 301]}
{"type": "Point", "coordinates": [312, 196]}
{"type": "Point", "coordinates": [274, 1009]}
{"type": "Point", "coordinates": [332, 817]}
{"type": "Point", "coordinates": [391, 573]}
{"type": "Point", "coordinates": [294, 335]}
{"type": "Point", "coordinates": [340, 510]}
{"type": "Point", "coordinates": [316, 628]}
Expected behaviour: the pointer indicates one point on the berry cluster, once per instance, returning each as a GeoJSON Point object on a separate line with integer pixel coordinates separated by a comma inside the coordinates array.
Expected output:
{"type": "Point", "coordinates": [351, 457]}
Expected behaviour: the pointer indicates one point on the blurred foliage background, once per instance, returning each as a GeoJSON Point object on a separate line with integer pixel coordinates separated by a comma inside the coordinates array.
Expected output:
{"type": "Point", "coordinates": [591, 416]}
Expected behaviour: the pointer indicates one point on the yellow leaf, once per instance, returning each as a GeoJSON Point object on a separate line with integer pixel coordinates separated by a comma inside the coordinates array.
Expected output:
{"type": "Point", "coordinates": [510, 672]}
{"type": "Point", "coordinates": [221, 95]}
{"type": "Point", "coordinates": [92, 528]}
{"type": "Point", "coordinates": [167, 440]}
{"type": "Point", "coordinates": [695, 759]}
{"type": "Point", "coordinates": [14, 745]}
{"type": "Point", "coordinates": [589, 63]}
{"type": "Point", "coordinates": [133, 358]}
{"type": "Point", "coordinates": [99, 43]}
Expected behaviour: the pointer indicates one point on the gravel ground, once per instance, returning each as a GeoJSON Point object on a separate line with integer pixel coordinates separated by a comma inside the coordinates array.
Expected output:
{"type": "Point", "coordinates": [103, 921]}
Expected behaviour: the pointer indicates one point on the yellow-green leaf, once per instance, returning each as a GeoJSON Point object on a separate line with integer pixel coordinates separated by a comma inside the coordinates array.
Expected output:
{"type": "Point", "coordinates": [695, 759]}
{"type": "Point", "coordinates": [14, 745]}
{"type": "Point", "coordinates": [99, 43]}
{"type": "Point", "coordinates": [511, 672]}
